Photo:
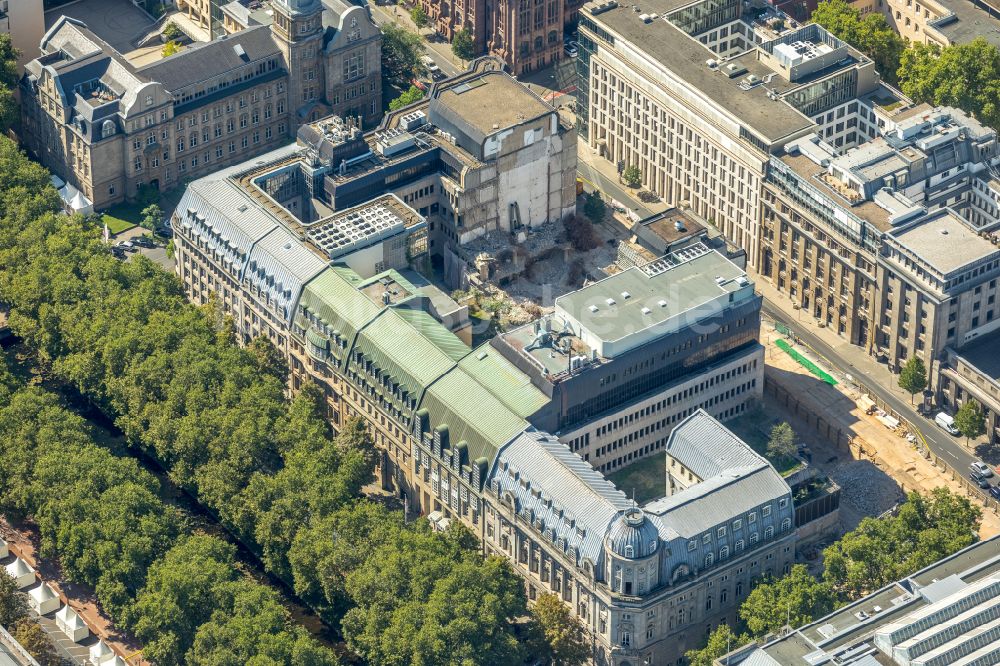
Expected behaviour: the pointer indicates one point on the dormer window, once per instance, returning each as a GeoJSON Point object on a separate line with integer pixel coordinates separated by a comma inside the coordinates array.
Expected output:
{"type": "Point", "coordinates": [629, 552]}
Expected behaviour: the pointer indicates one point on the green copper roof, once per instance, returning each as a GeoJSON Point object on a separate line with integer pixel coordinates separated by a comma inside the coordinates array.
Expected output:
{"type": "Point", "coordinates": [413, 356]}
{"type": "Point", "coordinates": [472, 414]}
{"type": "Point", "coordinates": [333, 298]}
{"type": "Point", "coordinates": [511, 386]}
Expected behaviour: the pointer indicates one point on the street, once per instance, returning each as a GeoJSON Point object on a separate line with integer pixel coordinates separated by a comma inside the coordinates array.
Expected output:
{"type": "Point", "coordinates": [948, 447]}
{"type": "Point", "coordinates": [439, 51]}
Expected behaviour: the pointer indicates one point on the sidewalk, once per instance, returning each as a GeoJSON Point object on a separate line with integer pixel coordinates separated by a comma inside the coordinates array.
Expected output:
{"type": "Point", "coordinates": [870, 439]}
{"type": "Point", "coordinates": [80, 599]}
{"type": "Point", "coordinates": [439, 51]}
{"type": "Point", "coordinates": [602, 175]}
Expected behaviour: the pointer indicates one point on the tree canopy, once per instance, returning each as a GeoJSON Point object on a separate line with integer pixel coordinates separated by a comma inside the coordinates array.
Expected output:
{"type": "Point", "coordinates": [881, 550]}
{"type": "Point", "coordinates": [401, 51]}
{"type": "Point", "coordinates": [564, 642]}
{"type": "Point", "coordinates": [966, 76]}
{"type": "Point", "coordinates": [794, 599]}
{"type": "Point", "coordinates": [970, 420]}
{"type": "Point", "coordinates": [781, 442]}
{"type": "Point", "coordinates": [413, 94]}
{"type": "Point", "coordinates": [175, 381]}
{"type": "Point", "coordinates": [913, 376]}
{"type": "Point", "coordinates": [462, 45]}
{"type": "Point", "coordinates": [869, 33]}
{"type": "Point", "coordinates": [632, 176]}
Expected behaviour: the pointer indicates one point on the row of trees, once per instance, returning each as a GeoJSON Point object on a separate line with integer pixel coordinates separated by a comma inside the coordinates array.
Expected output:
{"type": "Point", "coordinates": [178, 385]}
{"type": "Point", "coordinates": [966, 76]}
{"type": "Point", "coordinates": [101, 515]}
{"type": "Point", "coordinates": [879, 551]}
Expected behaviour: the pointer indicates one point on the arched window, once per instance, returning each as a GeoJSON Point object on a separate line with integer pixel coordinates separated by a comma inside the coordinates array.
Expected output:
{"type": "Point", "coordinates": [629, 551]}
{"type": "Point", "coordinates": [709, 560]}
{"type": "Point", "coordinates": [786, 524]}
{"type": "Point", "coordinates": [107, 129]}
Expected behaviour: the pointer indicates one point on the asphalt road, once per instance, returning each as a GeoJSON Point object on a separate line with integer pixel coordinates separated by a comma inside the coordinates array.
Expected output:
{"type": "Point", "coordinates": [944, 445]}
{"type": "Point", "coordinates": [439, 51]}
{"type": "Point", "coordinates": [594, 179]}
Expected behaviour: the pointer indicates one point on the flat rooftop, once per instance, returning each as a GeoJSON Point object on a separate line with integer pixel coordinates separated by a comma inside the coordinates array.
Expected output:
{"type": "Point", "coordinates": [852, 627]}
{"type": "Point", "coordinates": [676, 51]}
{"type": "Point", "coordinates": [681, 288]}
{"type": "Point", "coordinates": [358, 227]}
{"type": "Point", "coordinates": [983, 355]}
{"type": "Point", "coordinates": [968, 23]}
{"type": "Point", "coordinates": [492, 101]}
{"type": "Point", "coordinates": [945, 242]}
{"type": "Point", "coordinates": [814, 174]}
{"type": "Point", "coordinates": [669, 226]}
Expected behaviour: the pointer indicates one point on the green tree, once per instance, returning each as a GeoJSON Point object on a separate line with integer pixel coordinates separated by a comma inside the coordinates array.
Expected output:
{"type": "Point", "coordinates": [881, 550]}
{"type": "Point", "coordinates": [913, 377]}
{"type": "Point", "coordinates": [419, 17]}
{"type": "Point", "coordinates": [172, 32]}
{"type": "Point", "coordinates": [965, 75]}
{"type": "Point", "coordinates": [565, 642]}
{"type": "Point", "coordinates": [8, 82]}
{"type": "Point", "coordinates": [871, 34]}
{"type": "Point", "coordinates": [9, 75]}
{"type": "Point", "coordinates": [430, 598]}
{"type": "Point", "coordinates": [794, 599]}
{"type": "Point", "coordinates": [182, 590]}
{"type": "Point", "coordinates": [720, 642]}
{"type": "Point", "coordinates": [401, 51]}
{"type": "Point", "coordinates": [413, 94]}
{"type": "Point", "coordinates": [33, 638]}
{"type": "Point", "coordinates": [632, 176]}
{"type": "Point", "coordinates": [970, 420]}
{"type": "Point", "coordinates": [250, 626]}
{"type": "Point", "coordinates": [781, 442]}
{"type": "Point", "coordinates": [462, 45]}
{"type": "Point", "coordinates": [593, 207]}
{"type": "Point", "coordinates": [152, 217]}
{"type": "Point", "coordinates": [169, 49]}
{"type": "Point", "coordinates": [13, 607]}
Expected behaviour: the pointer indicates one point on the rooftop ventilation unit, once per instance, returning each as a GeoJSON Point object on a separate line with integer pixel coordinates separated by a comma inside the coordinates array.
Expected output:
{"type": "Point", "coordinates": [592, 308]}
{"type": "Point", "coordinates": [734, 69]}
{"type": "Point", "coordinates": [646, 311]}
{"type": "Point", "coordinates": [712, 63]}
{"type": "Point", "coordinates": [647, 18]}
{"type": "Point", "coordinates": [626, 295]}
{"type": "Point", "coordinates": [662, 303]}
{"type": "Point", "coordinates": [610, 301]}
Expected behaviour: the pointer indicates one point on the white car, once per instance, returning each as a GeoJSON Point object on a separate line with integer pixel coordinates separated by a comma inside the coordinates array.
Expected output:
{"type": "Point", "coordinates": [982, 469]}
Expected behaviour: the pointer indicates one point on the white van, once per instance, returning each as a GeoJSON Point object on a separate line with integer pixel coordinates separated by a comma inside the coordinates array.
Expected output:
{"type": "Point", "coordinates": [432, 67]}
{"type": "Point", "coordinates": [946, 423]}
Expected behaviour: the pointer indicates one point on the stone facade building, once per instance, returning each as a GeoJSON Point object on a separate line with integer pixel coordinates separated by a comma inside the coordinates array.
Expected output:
{"type": "Point", "coordinates": [889, 244]}
{"type": "Point", "coordinates": [526, 34]}
{"type": "Point", "coordinates": [649, 356]}
{"type": "Point", "coordinates": [698, 102]}
{"type": "Point", "coordinates": [938, 22]}
{"type": "Point", "coordinates": [109, 127]}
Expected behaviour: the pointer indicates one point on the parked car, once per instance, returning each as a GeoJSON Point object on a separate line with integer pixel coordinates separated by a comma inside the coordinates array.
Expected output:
{"type": "Point", "coordinates": [165, 231]}
{"type": "Point", "coordinates": [571, 49]}
{"type": "Point", "coordinates": [995, 491]}
{"type": "Point", "coordinates": [982, 469]}
{"type": "Point", "coordinates": [979, 481]}
{"type": "Point", "coordinates": [946, 422]}
{"type": "Point", "coordinates": [144, 241]}
{"type": "Point", "coordinates": [126, 246]}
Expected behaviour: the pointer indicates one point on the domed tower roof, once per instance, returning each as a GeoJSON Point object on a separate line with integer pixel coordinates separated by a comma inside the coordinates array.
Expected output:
{"type": "Point", "coordinates": [632, 536]}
